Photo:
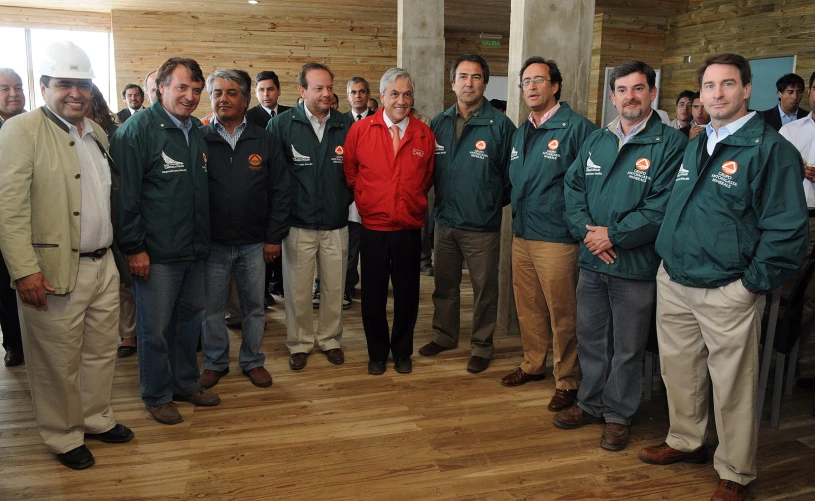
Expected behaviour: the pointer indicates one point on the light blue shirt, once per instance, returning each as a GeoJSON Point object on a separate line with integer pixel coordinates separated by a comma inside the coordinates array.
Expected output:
{"type": "Point", "coordinates": [785, 119]}
{"type": "Point", "coordinates": [185, 126]}
{"type": "Point", "coordinates": [624, 138]}
{"type": "Point", "coordinates": [713, 138]}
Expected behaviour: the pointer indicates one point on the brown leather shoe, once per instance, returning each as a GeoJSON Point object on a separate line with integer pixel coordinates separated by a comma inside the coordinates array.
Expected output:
{"type": "Point", "coordinates": [210, 378]}
{"type": "Point", "coordinates": [297, 361]}
{"type": "Point", "coordinates": [519, 377]}
{"type": "Point", "coordinates": [663, 454]}
{"type": "Point", "coordinates": [563, 399]}
{"type": "Point", "coordinates": [477, 364]}
{"type": "Point", "coordinates": [335, 356]}
{"type": "Point", "coordinates": [259, 376]}
{"type": "Point", "coordinates": [575, 417]}
{"type": "Point", "coordinates": [165, 413]}
{"type": "Point", "coordinates": [615, 436]}
{"type": "Point", "coordinates": [730, 491]}
{"type": "Point", "coordinates": [202, 397]}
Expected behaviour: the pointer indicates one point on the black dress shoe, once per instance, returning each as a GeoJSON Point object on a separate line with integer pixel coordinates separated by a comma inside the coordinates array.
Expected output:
{"type": "Point", "coordinates": [431, 349]}
{"type": "Point", "coordinates": [119, 434]}
{"type": "Point", "coordinates": [14, 357]}
{"type": "Point", "coordinates": [125, 351]}
{"type": "Point", "coordinates": [477, 364]}
{"type": "Point", "coordinates": [403, 365]}
{"type": "Point", "coordinates": [77, 459]}
{"type": "Point", "coordinates": [376, 368]}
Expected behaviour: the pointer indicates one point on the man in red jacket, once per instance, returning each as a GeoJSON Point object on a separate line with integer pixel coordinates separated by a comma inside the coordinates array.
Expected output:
{"type": "Point", "coordinates": [388, 162]}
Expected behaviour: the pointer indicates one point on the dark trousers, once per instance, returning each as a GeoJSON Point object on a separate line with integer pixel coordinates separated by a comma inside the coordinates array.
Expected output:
{"type": "Point", "coordinates": [352, 275]}
{"type": "Point", "coordinates": [9, 320]}
{"type": "Point", "coordinates": [274, 277]}
{"type": "Point", "coordinates": [394, 256]}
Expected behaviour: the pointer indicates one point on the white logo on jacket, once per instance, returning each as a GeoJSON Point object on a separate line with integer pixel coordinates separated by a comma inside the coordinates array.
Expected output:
{"type": "Point", "coordinates": [299, 157]}
{"type": "Point", "coordinates": [683, 174]}
{"type": "Point", "coordinates": [514, 154]}
{"type": "Point", "coordinates": [440, 149]}
{"type": "Point", "coordinates": [592, 169]}
{"type": "Point", "coordinates": [171, 165]}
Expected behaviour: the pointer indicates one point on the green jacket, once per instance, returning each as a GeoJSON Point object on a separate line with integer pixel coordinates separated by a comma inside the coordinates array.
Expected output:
{"type": "Point", "coordinates": [164, 199]}
{"type": "Point", "coordinates": [537, 169]}
{"type": "Point", "coordinates": [319, 194]}
{"type": "Point", "coordinates": [624, 188]}
{"type": "Point", "coordinates": [751, 224]}
{"type": "Point", "coordinates": [472, 177]}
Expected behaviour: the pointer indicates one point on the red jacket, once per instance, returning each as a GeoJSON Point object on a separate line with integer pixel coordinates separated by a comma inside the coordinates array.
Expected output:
{"type": "Point", "coordinates": [390, 192]}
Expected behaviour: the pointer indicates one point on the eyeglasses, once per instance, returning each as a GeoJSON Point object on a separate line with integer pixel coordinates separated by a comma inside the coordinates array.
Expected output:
{"type": "Point", "coordinates": [683, 105]}
{"type": "Point", "coordinates": [537, 80]}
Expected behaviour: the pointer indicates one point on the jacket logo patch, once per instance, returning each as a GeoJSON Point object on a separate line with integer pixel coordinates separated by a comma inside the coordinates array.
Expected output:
{"type": "Point", "coordinates": [418, 153]}
{"type": "Point", "coordinates": [298, 157]}
{"type": "Point", "coordinates": [642, 164]}
{"type": "Point", "coordinates": [171, 165]}
{"type": "Point", "coordinates": [730, 167]}
{"type": "Point", "coordinates": [553, 144]}
{"type": "Point", "coordinates": [514, 154]}
{"type": "Point", "coordinates": [254, 161]}
{"type": "Point", "coordinates": [725, 177]}
{"type": "Point", "coordinates": [592, 169]}
{"type": "Point", "coordinates": [339, 151]}
{"type": "Point", "coordinates": [481, 145]}
{"type": "Point", "coordinates": [683, 174]}
{"type": "Point", "coordinates": [440, 149]}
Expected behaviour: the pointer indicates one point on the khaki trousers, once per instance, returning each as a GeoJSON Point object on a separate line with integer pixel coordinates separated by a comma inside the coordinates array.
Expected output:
{"type": "Point", "coordinates": [127, 312]}
{"type": "Point", "coordinates": [301, 249]}
{"type": "Point", "coordinates": [70, 350]}
{"type": "Point", "coordinates": [544, 279]}
{"type": "Point", "coordinates": [713, 331]}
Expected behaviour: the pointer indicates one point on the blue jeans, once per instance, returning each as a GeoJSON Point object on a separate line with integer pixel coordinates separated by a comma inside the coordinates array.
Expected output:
{"type": "Point", "coordinates": [249, 266]}
{"type": "Point", "coordinates": [169, 312]}
{"type": "Point", "coordinates": [613, 321]}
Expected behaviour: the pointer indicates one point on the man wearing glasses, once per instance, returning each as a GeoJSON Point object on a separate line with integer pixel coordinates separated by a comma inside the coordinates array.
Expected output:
{"type": "Point", "coordinates": [684, 103]}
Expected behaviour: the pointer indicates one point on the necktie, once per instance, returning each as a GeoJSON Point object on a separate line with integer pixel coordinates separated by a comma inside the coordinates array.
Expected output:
{"type": "Point", "coordinates": [396, 139]}
{"type": "Point", "coordinates": [359, 117]}
{"type": "Point", "coordinates": [272, 113]}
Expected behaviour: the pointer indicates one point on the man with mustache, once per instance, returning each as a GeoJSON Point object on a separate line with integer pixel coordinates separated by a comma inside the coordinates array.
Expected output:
{"type": "Point", "coordinates": [12, 103]}
{"type": "Point", "coordinates": [616, 191]}
{"type": "Point", "coordinates": [164, 230]}
{"type": "Point", "coordinates": [58, 194]}
{"type": "Point", "coordinates": [249, 205]}
{"type": "Point", "coordinates": [734, 229]}
{"type": "Point", "coordinates": [133, 97]}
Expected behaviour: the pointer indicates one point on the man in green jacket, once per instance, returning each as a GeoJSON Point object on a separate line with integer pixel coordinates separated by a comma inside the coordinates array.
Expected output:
{"type": "Point", "coordinates": [544, 252]}
{"type": "Point", "coordinates": [735, 228]}
{"type": "Point", "coordinates": [313, 137]}
{"type": "Point", "coordinates": [164, 230]}
{"type": "Point", "coordinates": [616, 193]}
{"type": "Point", "coordinates": [473, 141]}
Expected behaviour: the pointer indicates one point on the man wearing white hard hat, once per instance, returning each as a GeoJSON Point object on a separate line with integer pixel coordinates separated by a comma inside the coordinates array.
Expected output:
{"type": "Point", "coordinates": [58, 191]}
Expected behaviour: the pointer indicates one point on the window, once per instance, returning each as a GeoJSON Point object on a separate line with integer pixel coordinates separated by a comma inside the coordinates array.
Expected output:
{"type": "Point", "coordinates": [14, 56]}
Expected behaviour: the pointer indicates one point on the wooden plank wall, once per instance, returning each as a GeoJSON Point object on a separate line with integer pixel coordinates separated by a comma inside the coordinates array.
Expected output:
{"type": "Point", "coordinates": [752, 28]}
{"type": "Point", "coordinates": [23, 17]}
{"type": "Point", "coordinates": [296, 34]}
{"type": "Point", "coordinates": [458, 44]}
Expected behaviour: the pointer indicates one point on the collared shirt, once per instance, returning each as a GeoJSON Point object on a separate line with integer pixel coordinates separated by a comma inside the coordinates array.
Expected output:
{"type": "Point", "coordinates": [132, 111]}
{"type": "Point", "coordinates": [360, 116]}
{"type": "Point", "coordinates": [624, 138]}
{"type": "Point", "coordinates": [713, 138]}
{"type": "Point", "coordinates": [785, 119]}
{"type": "Point", "coordinates": [270, 110]}
{"type": "Point", "coordinates": [675, 123]}
{"type": "Point", "coordinates": [232, 139]}
{"type": "Point", "coordinates": [185, 126]}
{"type": "Point", "coordinates": [461, 121]}
{"type": "Point", "coordinates": [319, 128]}
{"type": "Point", "coordinates": [801, 133]}
{"type": "Point", "coordinates": [95, 228]}
{"type": "Point", "coordinates": [402, 125]}
{"type": "Point", "coordinates": [546, 116]}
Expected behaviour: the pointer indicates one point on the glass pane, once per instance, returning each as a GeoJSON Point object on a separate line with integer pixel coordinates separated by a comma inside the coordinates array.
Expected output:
{"type": "Point", "coordinates": [13, 56]}
{"type": "Point", "coordinates": [94, 43]}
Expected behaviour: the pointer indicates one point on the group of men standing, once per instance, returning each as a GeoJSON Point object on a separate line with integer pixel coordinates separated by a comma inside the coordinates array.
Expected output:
{"type": "Point", "coordinates": [611, 226]}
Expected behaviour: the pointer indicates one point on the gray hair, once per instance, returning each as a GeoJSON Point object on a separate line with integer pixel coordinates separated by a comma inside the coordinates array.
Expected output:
{"type": "Point", "coordinates": [357, 80]}
{"type": "Point", "coordinates": [393, 75]}
{"type": "Point", "coordinates": [229, 75]}
{"type": "Point", "coordinates": [10, 73]}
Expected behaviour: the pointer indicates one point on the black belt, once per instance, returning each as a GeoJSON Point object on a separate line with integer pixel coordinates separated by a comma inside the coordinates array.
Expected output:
{"type": "Point", "coordinates": [97, 254]}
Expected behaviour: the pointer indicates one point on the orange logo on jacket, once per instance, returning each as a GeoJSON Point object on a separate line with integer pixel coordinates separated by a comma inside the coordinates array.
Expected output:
{"type": "Point", "coordinates": [730, 167]}
{"type": "Point", "coordinates": [254, 159]}
{"type": "Point", "coordinates": [481, 145]}
{"type": "Point", "coordinates": [553, 144]}
{"type": "Point", "coordinates": [642, 164]}
{"type": "Point", "coordinates": [339, 151]}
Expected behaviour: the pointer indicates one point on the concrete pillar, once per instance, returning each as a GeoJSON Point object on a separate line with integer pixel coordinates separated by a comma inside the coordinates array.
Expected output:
{"type": "Point", "coordinates": [556, 30]}
{"type": "Point", "coordinates": [420, 51]}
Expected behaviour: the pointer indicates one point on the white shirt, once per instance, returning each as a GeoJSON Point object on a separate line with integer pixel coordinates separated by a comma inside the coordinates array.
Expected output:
{"type": "Point", "coordinates": [95, 228]}
{"type": "Point", "coordinates": [402, 125]}
{"type": "Point", "coordinates": [713, 138]}
{"type": "Point", "coordinates": [319, 128]}
{"type": "Point", "coordinates": [270, 110]}
{"type": "Point", "coordinates": [132, 111]}
{"type": "Point", "coordinates": [361, 115]}
{"type": "Point", "coordinates": [801, 133]}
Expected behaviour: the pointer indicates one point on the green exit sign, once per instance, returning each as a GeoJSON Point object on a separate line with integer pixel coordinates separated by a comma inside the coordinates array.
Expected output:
{"type": "Point", "coordinates": [493, 43]}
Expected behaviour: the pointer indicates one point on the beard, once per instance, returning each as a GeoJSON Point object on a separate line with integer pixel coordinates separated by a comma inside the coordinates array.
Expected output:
{"type": "Point", "coordinates": [636, 115]}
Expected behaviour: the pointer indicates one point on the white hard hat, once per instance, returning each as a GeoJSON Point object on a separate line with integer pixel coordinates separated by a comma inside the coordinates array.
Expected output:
{"type": "Point", "coordinates": [66, 60]}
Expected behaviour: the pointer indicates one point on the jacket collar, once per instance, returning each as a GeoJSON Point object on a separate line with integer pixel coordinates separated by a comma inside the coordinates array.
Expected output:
{"type": "Point", "coordinates": [750, 134]}
{"type": "Point", "coordinates": [51, 116]}
{"type": "Point", "coordinates": [251, 131]}
{"type": "Point", "coordinates": [334, 119]}
{"type": "Point", "coordinates": [413, 124]}
{"type": "Point", "coordinates": [486, 115]}
{"type": "Point", "coordinates": [560, 120]}
{"type": "Point", "coordinates": [652, 132]}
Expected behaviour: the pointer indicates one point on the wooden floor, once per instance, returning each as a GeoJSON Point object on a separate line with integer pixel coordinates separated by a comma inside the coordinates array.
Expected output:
{"type": "Point", "coordinates": [330, 432]}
